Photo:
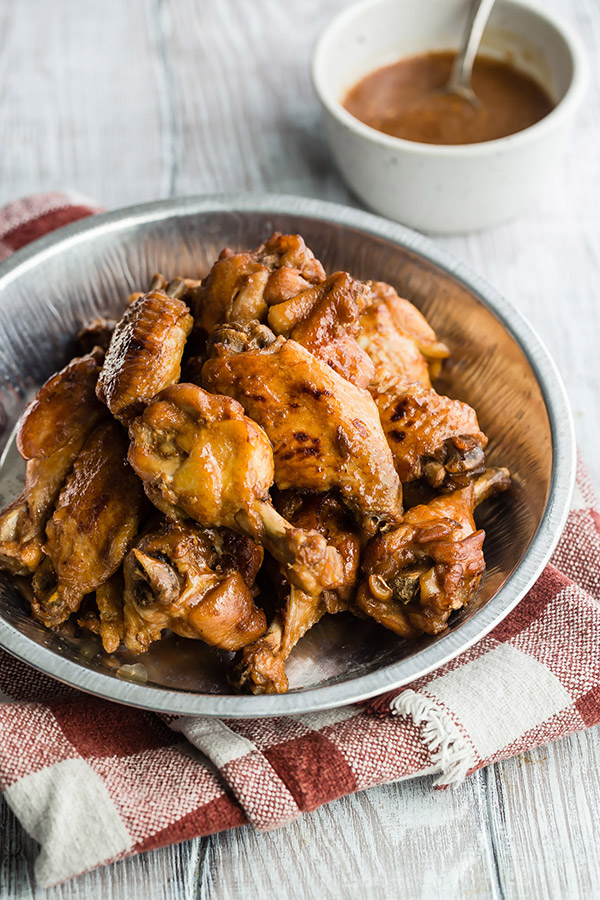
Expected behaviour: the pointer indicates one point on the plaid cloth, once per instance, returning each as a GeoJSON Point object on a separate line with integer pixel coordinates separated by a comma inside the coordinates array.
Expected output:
{"type": "Point", "coordinates": [93, 782]}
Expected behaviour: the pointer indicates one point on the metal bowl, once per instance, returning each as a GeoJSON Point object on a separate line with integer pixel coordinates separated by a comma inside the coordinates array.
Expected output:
{"type": "Point", "coordinates": [498, 364]}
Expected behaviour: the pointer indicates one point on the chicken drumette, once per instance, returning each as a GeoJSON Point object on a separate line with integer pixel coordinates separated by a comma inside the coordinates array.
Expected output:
{"type": "Point", "coordinates": [431, 436]}
{"type": "Point", "coordinates": [432, 564]}
{"type": "Point", "coordinates": [261, 668]}
{"type": "Point", "coordinates": [51, 435]}
{"type": "Point", "coordinates": [376, 339]}
{"type": "Point", "coordinates": [241, 286]}
{"type": "Point", "coordinates": [324, 319]}
{"type": "Point", "coordinates": [144, 354]}
{"type": "Point", "coordinates": [325, 431]}
{"type": "Point", "coordinates": [200, 456]}
{"type": "Point", "coordinates": [195, 581]}
{"type": "Point", "coordinates": [108, 621]}
{"type": "Point", "coordinates": [96, 518]}
{"type": "Point", "coordinates": [401, 344]}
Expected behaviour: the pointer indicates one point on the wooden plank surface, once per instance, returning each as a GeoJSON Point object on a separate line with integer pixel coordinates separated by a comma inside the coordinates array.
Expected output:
{"type": "Point", "coordinates": [129, 102]}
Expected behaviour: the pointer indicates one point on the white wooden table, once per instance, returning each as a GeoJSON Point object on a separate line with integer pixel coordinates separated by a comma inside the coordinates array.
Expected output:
{"type": "Point", "coordinates": [132, 101]}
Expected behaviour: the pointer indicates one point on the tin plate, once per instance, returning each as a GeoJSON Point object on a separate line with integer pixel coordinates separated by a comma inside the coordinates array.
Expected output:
{"type": "Point", "coordinates": [498, 364]}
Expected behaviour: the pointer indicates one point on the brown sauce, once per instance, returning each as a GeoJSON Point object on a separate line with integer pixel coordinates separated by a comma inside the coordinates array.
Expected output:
{"type": "Point", "coordinates": [401, 100]}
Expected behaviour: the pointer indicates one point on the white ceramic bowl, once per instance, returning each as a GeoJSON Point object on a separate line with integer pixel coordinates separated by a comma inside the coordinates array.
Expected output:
{"type": "Point", "coordinates": [446, 189]}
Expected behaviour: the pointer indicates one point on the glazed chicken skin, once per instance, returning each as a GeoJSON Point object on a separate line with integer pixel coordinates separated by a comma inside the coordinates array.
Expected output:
{"type": "Point", "coordinates": [195, 581]}
{"type": "Point", "coordinates": [324, 319]}
{"type": "Point", "coordinates": [431, 436]}
{"type": "Point", "coordinates": [145, 351]}
{"type": "Point", "coordinates": [51, 434]}
{"type": "Point", "coordinates": [398, 339]}
{"type": "Point", "coordinates": [326, 433]}
{"type": "Point", "coordinates": [241, 286]}
{"type": "Point", "coordinates": [415, 576]}
{"type": "Point", "coordinates": [200, 456]}
{"type": "Point", "coordinates": [95, 520]}
{"type": "Point", "coordinates": [261, 667]}
{"type": "Point", "coordinates": [307, 410]}
{"type": "Point", "coordinates": [376, 339]}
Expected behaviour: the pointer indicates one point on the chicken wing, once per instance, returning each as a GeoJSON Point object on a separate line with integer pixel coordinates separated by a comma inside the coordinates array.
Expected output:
{"type": "Point", "coordinates": [376, 339]}
{"type": "Point", "coordinates": [261, 668]}
{"type": "Point", "coordinates": [241, 286]}
{"type": "Point", "coordinates": [431, 436]}
{"type": "Point", "coordinates": [324, 319]}
{"type": "Point", "coordinates": [325, 431]}
{"type": "Point", "coordinates": [52, 432]}
{"type": "Point", "coordinates": [195, 581]}
{"type": "Point", "coordinates": [398, 338]}
{"type": "Point", "coordinates": [144, 355]}
{"type": "Point", "coordinates": [432, 564]}
{"type": "Point", "coordinates": [200, 456]}
{"type": "Point", "coordinates": [96, 518]}
{"type": "Point", "coordinates": [108, 622]}
{"type": "Point", "coordinates": [96, 333]}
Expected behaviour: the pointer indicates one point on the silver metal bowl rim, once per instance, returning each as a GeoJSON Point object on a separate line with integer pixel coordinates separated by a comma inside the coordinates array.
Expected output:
{"type": "Point", "coordinates": [449, 645]}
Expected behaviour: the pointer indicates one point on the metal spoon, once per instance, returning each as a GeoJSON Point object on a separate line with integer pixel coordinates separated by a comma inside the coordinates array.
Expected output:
{"type": "Point", "coordinates": [462, 68]}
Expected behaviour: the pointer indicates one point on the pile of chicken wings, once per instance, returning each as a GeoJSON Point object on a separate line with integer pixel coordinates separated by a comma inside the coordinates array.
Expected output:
{"type": "Point", "coordinates": [246, 435]}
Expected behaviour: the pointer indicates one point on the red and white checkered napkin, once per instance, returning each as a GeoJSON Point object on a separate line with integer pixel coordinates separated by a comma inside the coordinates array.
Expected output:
{"type": "Point", "coordinates": [93, 781]}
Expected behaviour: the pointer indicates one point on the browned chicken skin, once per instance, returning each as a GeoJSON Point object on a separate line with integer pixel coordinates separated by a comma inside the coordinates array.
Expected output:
{"type": "Point", "coordinates": [200, 456]}
{"type": "Point", "coordinates": [325, 431]}
{"type": "Point", "coordinates": [332, 402]}
{"type": "Point", "coordinates": [144, 355]}
{"type": "Point", "coordinates": [52, 432]}
{"type": "Point", "coordinates": [96, 518]}
{"type": "Point", "coordinates": [241, 286]}
{"type": "Point", "coordinates": [431, 436]}
{"type": "Point", "coordinates": [261, 668]}
{"type": "Point", "coordinates": [432, 564]}
{"type": "Point", "coordinates": [195, 581]}
{"type": "Point", "coordinates": [376, 339]}
{"type": "Point", "coordinates": [398, 338]}
{"type": "Point", "coordinates": [324, 319]}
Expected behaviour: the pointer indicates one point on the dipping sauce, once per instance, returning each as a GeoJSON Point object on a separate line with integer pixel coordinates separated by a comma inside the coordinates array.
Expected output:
{"type": "Point", "coordinates": [401, 100]}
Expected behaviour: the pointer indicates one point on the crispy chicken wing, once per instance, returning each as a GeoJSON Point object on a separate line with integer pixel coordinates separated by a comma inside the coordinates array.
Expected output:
{"type": "Point", "coordinates": [325, 431]}
{"type": "Point", "coordinates": [144, 355]}
{"type": "Point", "coordinates": [241, 286]}
{"type": "Point", "coordinates": [52, 432]}
{"type": "Point", "coordinates": [261, 668]}
{"type": "Point", "coordinates": [200, 456]}
{"type": "Point", "coordinates": [96, 518]}
{"type": "Point", "coordinates": [324, 319]}
{"type": "Point", "coordinates": [416, 575]}
{"type": "Point", "coordinates": [195, 581]}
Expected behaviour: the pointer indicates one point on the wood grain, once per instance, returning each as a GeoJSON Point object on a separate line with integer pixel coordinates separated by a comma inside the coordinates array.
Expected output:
{"type": "Point", "coordinates": [129, 102]}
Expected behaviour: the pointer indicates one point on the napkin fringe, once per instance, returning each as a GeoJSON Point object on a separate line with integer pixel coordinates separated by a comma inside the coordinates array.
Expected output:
{"type": "Point", "coordinates": [450, 751]}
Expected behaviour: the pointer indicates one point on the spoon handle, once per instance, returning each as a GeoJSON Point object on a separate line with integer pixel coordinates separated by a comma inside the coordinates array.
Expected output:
{"type": "Point", "coordinates": [479, 12]}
